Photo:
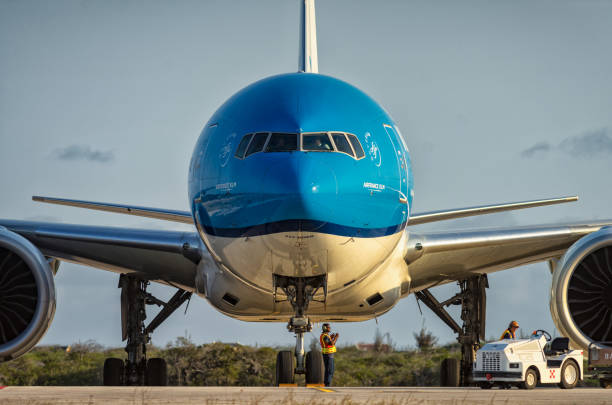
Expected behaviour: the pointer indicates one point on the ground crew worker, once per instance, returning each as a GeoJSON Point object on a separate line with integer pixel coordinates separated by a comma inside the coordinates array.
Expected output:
{"type": "Point", "coordinates": [328, 348]}
{"type": "Point", "coordinates": [510, 333]}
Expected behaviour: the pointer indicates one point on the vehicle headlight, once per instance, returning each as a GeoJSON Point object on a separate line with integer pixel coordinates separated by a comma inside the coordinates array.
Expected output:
{"type": "Point", "coordinates": [514, 365]}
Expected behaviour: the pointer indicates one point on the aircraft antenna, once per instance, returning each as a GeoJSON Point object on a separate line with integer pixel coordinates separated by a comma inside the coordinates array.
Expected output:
{"type": "Point", "coordinates": [308, 61]}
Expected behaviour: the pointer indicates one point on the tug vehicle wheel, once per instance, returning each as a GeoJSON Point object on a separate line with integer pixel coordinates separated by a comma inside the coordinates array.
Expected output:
{"type": "Point", "coordinates": [569, 375]}
{"type": "Point", "coordinates": [285, 368]}
{"type": "Point", "coordinates": [486, 385]}
{"type": "Point", "coordinates": [605, 383]}
{"type": "Point", "coordinates": [531, 380]}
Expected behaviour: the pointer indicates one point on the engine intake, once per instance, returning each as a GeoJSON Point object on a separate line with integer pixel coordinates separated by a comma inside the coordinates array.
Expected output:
{"type": "Point", "coordinates": [27, 295]}
{"type": "Point", "coordinates": [581, 295]}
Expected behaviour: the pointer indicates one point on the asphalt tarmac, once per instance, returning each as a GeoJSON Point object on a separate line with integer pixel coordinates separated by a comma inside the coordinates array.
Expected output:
{"type": "Point", "coordinates": [299, 396]}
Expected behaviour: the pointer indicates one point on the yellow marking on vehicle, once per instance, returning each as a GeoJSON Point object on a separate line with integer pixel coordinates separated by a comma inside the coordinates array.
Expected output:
{"type": "Point", "coordinates": [287, 385]}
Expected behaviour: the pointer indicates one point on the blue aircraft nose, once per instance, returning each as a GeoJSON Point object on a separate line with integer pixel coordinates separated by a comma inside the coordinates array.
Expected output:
{"type": "Point", "coordinates": [301, 187]}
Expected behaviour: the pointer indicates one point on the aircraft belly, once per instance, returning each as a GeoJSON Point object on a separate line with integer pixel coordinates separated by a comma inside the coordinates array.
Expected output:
{"type": "Point", "coordinates": [301, 254]}
{"type": "Point", "coordinates": [358, 269]}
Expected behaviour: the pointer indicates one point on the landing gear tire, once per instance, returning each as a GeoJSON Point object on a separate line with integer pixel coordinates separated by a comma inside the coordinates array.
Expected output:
{"type": "Point", "coordinates": [315, 369]}
{"type": "Point", "coordinates": [450, 373]}
{"type": "Point", "coordinates": [285, 368]}
{"type": "Point", "coordinates": [114, 370]}
{"type": "Point", "coordinates": [570, 375]}
{"type": "Point", "coordinates": [531, 380]}
{"type": "Point", "coordinates": [157, 372]}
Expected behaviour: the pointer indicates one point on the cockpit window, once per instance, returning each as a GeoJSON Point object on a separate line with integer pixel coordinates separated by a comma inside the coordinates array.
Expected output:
{"type": "Point", "coordinates": [243, 145]}
{"type": "Point", "coordinates": [342, 144]}
{"type": "Point", "coordinates": [310, 142]}
{"type": "Point", "coordinates": [282, 143]}
{"type": "Point", "coordinates": [257, 144]}
{"type": "Point", "coordinates": [356, 145]}
{"type": "Point", "coordinates": [317, 142]}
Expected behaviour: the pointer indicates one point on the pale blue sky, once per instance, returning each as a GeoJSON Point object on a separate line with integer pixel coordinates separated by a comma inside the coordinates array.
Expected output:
{"type": "Point", "coordinates": [498, 101]}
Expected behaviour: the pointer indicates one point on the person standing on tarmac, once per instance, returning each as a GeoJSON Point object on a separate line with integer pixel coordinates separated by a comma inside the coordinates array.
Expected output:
{"type": "Point", "coordinates": [510, 333]}
{"type": "Point", "coordinates": [328, 348]}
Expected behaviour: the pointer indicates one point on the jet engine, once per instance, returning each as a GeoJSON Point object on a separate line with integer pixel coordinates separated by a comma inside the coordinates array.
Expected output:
{"type": "Point", "coordinates": [581, 294]}
{"type": "Point", "coordinates": [27, 295]}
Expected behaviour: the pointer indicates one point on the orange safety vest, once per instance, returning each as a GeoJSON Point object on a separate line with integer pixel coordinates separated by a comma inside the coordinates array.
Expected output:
{"type": "Point", "coordinates": [508, 333]}
{"type": "Point", "coordinates": [327, 348]}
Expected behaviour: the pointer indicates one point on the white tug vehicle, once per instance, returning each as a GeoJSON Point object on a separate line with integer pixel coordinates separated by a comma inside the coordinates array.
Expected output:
{"type": "Point", "coordinates": [527, 362]}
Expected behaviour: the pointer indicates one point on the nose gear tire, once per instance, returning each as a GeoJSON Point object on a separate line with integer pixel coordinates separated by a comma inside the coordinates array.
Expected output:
{"type": "Point", "coordinates": [315, 368]}
{"type": "Point", "coordinates": [285, 367]}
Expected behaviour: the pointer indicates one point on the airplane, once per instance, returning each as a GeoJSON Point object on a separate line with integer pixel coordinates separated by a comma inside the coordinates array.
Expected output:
{"type": "Point", "coordinates": [301, 193]}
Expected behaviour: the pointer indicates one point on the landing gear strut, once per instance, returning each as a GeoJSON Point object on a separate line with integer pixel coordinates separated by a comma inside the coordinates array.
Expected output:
{"type": "Point", "coordinates": [136, 369]}
{"type": "Point", "coordinates": [473, 300]}
{"type": "Point", "coordinates": [300, 291]}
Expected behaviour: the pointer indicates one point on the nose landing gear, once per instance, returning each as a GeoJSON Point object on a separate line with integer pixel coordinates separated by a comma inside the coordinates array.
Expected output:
{"type": "Point", "coordinates": [310, 364]}
{"type": "Point", "coordinates": [300, 291]}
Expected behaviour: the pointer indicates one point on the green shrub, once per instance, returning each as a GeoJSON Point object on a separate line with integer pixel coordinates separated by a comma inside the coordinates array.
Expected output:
{"type": "Point", "coordinates": [223, 364]}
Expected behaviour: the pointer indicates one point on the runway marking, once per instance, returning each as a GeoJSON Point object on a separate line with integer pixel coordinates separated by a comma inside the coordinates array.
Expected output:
{"type": "Point", "coordinates": [322, 389]}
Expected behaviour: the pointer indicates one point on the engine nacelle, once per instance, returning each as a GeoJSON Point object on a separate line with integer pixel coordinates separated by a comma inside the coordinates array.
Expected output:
{"type": "Point", "coordinates": [27, 295]}
{"type": "Point", "coordinates": [581, 294]}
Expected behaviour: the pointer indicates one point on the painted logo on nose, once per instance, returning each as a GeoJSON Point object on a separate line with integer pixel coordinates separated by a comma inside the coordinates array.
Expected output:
{"type": "Point", "coordinates": [373, 149]}
{"type": "Point", "coordinates": [226, 150]}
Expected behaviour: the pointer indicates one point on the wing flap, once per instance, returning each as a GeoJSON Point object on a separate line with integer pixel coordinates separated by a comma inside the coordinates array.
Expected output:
{"type": "Point", "coordinates": [157, 213]}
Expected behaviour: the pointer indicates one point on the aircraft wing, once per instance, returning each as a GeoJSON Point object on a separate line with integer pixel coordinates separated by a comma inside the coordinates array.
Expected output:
{"type": "Point", "coordinates": [168, 257]}
{"type": "Point", "coordinates": [157, 213]}
{"type": "Point", "coordinates": [442, 257]}
{"type": "Point", "coordinates": [434, 216]}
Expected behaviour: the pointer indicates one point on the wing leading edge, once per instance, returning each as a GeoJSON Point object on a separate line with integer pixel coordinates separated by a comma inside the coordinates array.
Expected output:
{"type": "Point", "coordinates": [442, 257]}
{"type": "Point", "coordinates": [167, 257]}
{"type": "Point", "coordinates": [434, 216]}
{"type": "Point", "coordinates": [157, 213]}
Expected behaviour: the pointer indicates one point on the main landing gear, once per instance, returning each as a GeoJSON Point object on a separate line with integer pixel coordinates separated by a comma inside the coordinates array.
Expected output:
{"type": "Point", "coordinates": [300, 291]}
{"type": "Point", "coordinates": [473, 300]}
{"type": "Point", "coordinates": [137, 369]}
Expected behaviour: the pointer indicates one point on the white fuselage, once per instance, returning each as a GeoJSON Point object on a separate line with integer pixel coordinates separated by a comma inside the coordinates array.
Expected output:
{"type": "Point", "coordinates": [365, 276]}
